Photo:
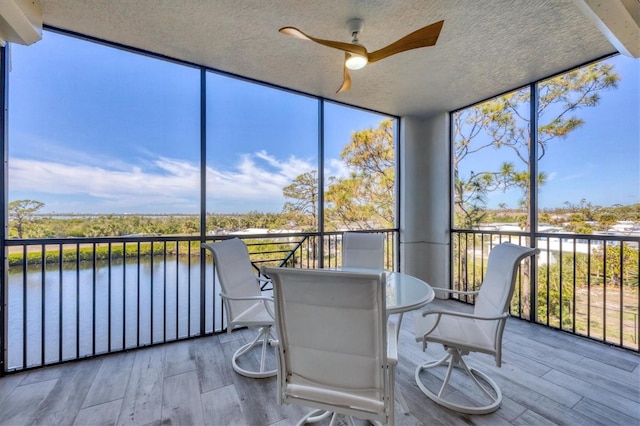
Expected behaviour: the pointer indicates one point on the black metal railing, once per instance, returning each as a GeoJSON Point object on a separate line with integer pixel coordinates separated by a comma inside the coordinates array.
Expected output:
{"type": "Point", "coordinates": [68, 299]}
{"type": "Point", "coordinates": [583, 284]}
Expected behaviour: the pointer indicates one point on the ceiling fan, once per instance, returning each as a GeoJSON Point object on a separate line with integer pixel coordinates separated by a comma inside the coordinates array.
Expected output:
{"type": "Point", "coordinates": [356, 55]}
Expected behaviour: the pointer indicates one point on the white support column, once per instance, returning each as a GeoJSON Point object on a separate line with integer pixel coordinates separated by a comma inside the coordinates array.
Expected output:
{"type": "Point", "coordinates": [425, 199]}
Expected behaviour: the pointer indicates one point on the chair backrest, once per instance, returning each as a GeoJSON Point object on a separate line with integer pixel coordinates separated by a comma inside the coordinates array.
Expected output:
{"type": "Point", "coordinates": [499, 281]}
{"type": "Point", "coordinates": [235, 274]}
{"type": "Point", "coordinates": [332, 339]}
{"type": "Point", "coordinates": [363, 250]}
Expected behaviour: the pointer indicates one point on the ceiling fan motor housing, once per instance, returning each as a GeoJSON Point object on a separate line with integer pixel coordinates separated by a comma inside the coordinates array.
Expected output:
{"type": "Point", "coordinates": [355, 27]}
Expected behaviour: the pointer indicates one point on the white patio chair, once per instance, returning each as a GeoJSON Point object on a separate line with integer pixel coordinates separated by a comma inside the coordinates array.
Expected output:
{"type": "Point", "coordinates": [363, 250]}
{"type": "Point", "coordinates": [244, 303]}
{"type": "Point", "coordinates": [481, 331]}
{"type": "Point", "coordinates": [333, 353]}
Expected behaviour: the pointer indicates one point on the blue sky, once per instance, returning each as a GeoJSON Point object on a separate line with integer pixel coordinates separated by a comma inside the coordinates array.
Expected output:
{"type": "Point", "coordinates": [98, 130]}
{"type": "Point", "coordinates": [598, 162]}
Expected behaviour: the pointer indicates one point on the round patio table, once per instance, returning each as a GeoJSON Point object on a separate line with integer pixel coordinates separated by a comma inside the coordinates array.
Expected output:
{"type": "Point", "coordinates": [404, 292]}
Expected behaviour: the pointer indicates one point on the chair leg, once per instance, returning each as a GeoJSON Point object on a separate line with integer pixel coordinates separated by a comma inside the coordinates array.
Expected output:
{"type": "Point", "coordinates": [403, 402]}
{"type": "Point", "coordinates": [453, 359]}
{"type": "Point", "coordinates": [334, 420]}
{"type": "Point", "coordinates": [319, 415]}
{"type": "Point", "coordinates": [262, 338]}
{"type": "Point", "coordinates": [315, 416]}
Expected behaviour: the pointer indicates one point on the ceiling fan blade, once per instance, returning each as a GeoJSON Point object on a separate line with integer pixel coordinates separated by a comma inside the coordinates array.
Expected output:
{"type": "Point", "coordinates": [423, 37]}
{"type": "Point", "coordinates": [346, 80]}
{"type": "Point", "coordinates": [347, 47]}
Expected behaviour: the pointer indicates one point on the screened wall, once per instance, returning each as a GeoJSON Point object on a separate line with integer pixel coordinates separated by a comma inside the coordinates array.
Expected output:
{"type": "Point", "coordinates": [108, 142]}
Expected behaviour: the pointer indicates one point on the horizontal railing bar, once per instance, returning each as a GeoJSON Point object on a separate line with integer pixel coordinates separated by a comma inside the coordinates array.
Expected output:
{"type": "Point", "coordinates": [607, 237]}
{"type": "Point", "coordinates": [162, 238]}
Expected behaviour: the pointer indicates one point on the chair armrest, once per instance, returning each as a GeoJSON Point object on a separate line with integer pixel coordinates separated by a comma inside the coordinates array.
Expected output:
{"type": "Point", "coordinates": [265, 298]}
{"type": "Point", "coordinates": [464, 315]}
{"type": "Point", "coordinates": [392, 343]}
{"type": "Point", "coordinates": [446, 290]}
{"type": "Point", "coordinates": [441, 314]}
{"type": "Point", "coordinates": [268, 302]}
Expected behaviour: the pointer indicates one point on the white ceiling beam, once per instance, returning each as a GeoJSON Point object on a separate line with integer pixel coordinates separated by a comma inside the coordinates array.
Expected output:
{"type": "Point", "coordinates": [619, 21]}
{"type": "Point", "coordinates": [20, 21]}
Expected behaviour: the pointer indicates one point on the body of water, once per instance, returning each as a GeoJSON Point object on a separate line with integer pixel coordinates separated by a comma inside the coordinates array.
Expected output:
{"type": "Point", "coordinates": [55, 315]}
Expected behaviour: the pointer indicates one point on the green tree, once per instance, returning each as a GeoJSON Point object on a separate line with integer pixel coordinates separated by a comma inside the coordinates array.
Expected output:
{"type": "Point", "coordinates": [190, 225]}
{"type": "Point", "coordinates": [504, 123]}
{"type": "Point", "coordinates": [554, 298]}
{"type": "Point", "coordinates": [618, 267]}
{"type": "Point", "coordinates": [302, 210]}
{"type": "Point", "coordinates": [21, 212]}
{"type": "Point", "coordinates": [606, 219]}
{"type": "Point", "coordinates": [365, 199]}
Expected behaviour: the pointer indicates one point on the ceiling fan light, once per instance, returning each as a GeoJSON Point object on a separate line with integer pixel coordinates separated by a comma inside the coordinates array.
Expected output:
{"type": "Point", "coordinates": [356, 62]}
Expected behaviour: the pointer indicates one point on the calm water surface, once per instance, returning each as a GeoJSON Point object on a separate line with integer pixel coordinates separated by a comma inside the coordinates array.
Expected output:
{"type": "Point", "coordinates": [125, 306]}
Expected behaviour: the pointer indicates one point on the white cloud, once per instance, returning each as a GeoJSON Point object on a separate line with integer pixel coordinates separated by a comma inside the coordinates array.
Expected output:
{"type": "Point", "coordinates": [164, 184]}
{"type": "Point", "coordinates": [337, 168]}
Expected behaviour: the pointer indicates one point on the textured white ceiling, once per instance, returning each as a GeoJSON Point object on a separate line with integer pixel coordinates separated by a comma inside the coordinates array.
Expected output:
{"type": "Point", "coordinates": [485, 47]}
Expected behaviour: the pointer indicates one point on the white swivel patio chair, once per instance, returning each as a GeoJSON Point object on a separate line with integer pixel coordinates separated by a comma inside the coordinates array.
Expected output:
{"type": "Point", "coordinates": [244, 303]}
{"type": "Point", "coordinates": [333, 353]}
{"type": "Point", "coordinates": [481, 331]}
{"type": "Point", "coordinates": [363, 250]}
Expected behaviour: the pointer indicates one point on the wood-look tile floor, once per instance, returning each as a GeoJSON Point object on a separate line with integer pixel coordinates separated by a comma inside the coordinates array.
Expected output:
{"type": "Point", "coordinates": [547, 377]}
